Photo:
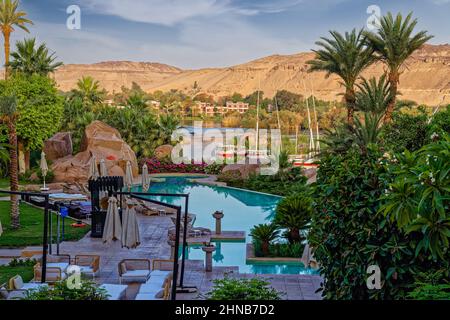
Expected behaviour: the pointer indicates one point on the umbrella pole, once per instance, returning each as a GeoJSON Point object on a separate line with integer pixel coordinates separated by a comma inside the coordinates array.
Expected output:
{"type": "Point", "coordinates": [45, 243]}
{"type": "Point", "coordinates": [183, 255]}
{"type": "Point", "coordinates": [175, 258]}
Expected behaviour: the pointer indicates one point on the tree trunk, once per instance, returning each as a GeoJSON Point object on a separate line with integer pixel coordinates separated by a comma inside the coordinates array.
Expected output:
{"type": "Point", "coordinates": [350, 100]}
{"type": "Point", "coordinates": [265, 248]}
{"type": "Point", "coordinates": [6, 36]}
{"type": "Point", "coordinates": [294, 235]}
{"type": "Point", "coordinates": [394, 79]}
{"type": "Point", "coordinates": [14, 176]}
{"type": "Point", "coordinates": [22, 158]}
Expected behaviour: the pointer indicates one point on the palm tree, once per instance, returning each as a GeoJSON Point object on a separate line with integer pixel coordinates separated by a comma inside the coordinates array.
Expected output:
{"type": "Point", "coordinates": [4, 153]}
{"type": "Point", "coordinates": [294, 214]}
{"type": "Point", "coordinates": [8, 112]}
{"type": "Point", "coordinates": [89, 91]}
{"type": "Point", "coordinates": [345, 56]}
{"type": "Point", "coordinates": [265, 234]}
{"type": "Point", "coordinates": [10, 17]}
{"type": "Point", "coordinates": [29, 60]}
{"type": "Point", "coordinates": [373, 95]}
{"type": "Point", "coordinates": [393, 44]}
{"type": "Point", "coordinates": [167, 125]}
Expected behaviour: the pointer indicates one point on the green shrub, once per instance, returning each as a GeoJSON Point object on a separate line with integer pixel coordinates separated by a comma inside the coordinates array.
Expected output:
{"type": "Point", "coordinates": [88, 291]}
{"type": "Point", "coordinates": [440, 123]}
{"type": "Point", "coordinates": [214, 168]}
{"type": "Point", "coordinates": [418, 198]}
{"type": "Point", "coordinates": [348, 235]}
{"type": "Point", "coordinates": [294, 214]}
{"type": "Point", "coordinates": [431, 286]}
{"type": "Point", "coordinates": [406, 131]}
{"type": "Point", "coordinates": [48, 178]}
{"type": "Point", "coordinates": [22, 262]}
{"type": "Point", "coordinates": [242, 289]}
{"type": "Point", "coordinates": [284, 183]}
{"type": "Point", "coordinates": [280, 250]}
{"type": "Point", "coordinates": [264, 234]}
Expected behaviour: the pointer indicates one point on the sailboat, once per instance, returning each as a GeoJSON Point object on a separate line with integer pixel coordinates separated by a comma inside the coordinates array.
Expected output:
{"type": "Point", "coordinates": [255, 155]}
{"type": "Point", "coordinates": [308, 161]}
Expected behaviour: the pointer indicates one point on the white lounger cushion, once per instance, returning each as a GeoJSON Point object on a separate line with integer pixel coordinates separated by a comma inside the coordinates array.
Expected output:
{"type": "Point", "coordinates": [135, 274]}
{"type": "Point", "coordinates": [151, 288]}
{"type": "Point", "coordinates": [115, 291]}
{"type": "Point", "coordinates": [160, 273]}
{"type": "Point", "coordinates": [61, 265]}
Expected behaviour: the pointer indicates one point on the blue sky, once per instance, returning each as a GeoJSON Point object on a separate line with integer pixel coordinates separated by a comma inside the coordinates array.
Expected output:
{"type": "Point", "coordinates": [209, 33]}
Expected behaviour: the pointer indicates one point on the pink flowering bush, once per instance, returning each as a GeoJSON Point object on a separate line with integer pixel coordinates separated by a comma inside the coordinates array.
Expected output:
{"type": "Point", "coordinates": [164, 166]}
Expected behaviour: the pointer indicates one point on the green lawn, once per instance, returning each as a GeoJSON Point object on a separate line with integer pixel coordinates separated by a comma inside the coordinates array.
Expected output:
{"type": "Point", "coordinates": [4, 185]}
{"type": "Point", "coordinates": [32, 221]}
{"type": "Point", "coordinates": [6, 273]}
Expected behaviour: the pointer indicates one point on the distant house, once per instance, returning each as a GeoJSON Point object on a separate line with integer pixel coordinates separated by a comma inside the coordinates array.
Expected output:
{"type": "Point", "coordinates": [240, 107]}
{"type": "Point", "coordinates": [210, 109]}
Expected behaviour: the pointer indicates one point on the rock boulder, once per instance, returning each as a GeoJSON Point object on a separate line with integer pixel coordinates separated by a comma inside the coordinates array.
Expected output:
{"type": "Point", "coordinates": [58, 146]}
{"type": "Point", "coordinates": [163, 152]}
{"type": "Point", "coordinates": [101, 141]}
{"type": "Point", "coordinates": [243, 170]}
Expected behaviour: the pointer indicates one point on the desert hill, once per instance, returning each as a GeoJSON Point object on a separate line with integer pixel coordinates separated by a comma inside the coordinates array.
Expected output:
{"type": "Point", "coordinates": [426, 78]}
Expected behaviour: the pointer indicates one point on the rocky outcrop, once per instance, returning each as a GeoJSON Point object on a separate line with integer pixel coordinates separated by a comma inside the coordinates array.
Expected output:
{"type": "Point", "coordinates": [58, 146]}
{"type": "Point", "coordinates": [163, 152]}
{"type": "Point", "coordinates": [103, 142]}
{"type": "Point", "coordinates": [243, 171]}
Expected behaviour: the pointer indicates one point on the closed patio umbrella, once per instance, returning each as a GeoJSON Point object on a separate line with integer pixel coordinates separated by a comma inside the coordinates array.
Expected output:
{"type": "Point", "coordinates": [113, 227]}
{"type": "Point", "coordinates": [103, 173]}
{"type": "Point", "coordinates": [128, 176]}
{"type": "Point", "coordinates": [44, 169]}
{"type": "Point", "coordinates": [93, 170]}
{"type": "Point", "coordinates": [1, 229]}
{"type": "Point", "coordinates": [103, 169]}
{"type": "Point", "coordinates": [130, 228]}
{"type": "Point", "coordinates": [145, 179]}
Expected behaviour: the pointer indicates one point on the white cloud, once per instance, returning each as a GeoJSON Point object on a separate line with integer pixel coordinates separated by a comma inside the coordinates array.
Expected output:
{"type": "Point", "coordinates": [165, 12]}
{"type": "Point", "coordinates": [439, 2]}
{"type": "Point", "coordinates": [171, 12]}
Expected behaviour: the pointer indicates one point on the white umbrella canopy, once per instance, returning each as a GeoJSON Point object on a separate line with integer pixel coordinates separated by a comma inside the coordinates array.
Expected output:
{"type": "Point", "coordinates": [128, 176]}
{"type": "Point", "coordinates": [44, 168]}
{"type": "Point", "coordinates": [93, 170]}
{"type": "Point", "coordinates": [145, 179]}
{"type": "Point", "coordinates": [130, 229]}
{"type": "Point", "coordinates": [103, 169]}
{"type": "Point", "coordinates": [43, 164]}
{"type": "Point", "coordinates": [113, 227]}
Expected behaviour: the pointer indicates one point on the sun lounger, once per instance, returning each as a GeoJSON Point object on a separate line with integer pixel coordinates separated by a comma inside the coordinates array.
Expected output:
{"type": "Point", "coordinates": [135, 269]}
{"type": "Point", "coordinates": [89, 264]}
{"type": "Point", "coordinates": [16, 283]}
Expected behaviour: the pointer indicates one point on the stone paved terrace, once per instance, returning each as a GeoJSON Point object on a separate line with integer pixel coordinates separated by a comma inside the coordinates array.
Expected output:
{"type": "Point", "coordinates": [153, 231]}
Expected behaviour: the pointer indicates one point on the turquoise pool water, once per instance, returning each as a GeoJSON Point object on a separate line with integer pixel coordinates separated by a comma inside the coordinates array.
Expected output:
{"type": "Point", "coordinates": [242, 209]}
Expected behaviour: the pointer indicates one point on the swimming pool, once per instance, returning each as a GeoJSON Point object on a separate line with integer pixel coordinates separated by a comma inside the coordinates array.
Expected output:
{"type": "Point", "coordinates": [242, 209]}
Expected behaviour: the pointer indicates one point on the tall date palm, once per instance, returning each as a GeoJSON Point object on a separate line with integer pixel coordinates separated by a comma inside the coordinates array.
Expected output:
{"type": "Point", "coordinates": [8, 116]}
{"type": "Point", "coordinates": [345, 56]}
{"type": "Point", "coordinates": [31, 59]}
{"type": "Point", "coordinates": [394, 44]}
{"type": "Point", "coordinates": [10, 17]}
